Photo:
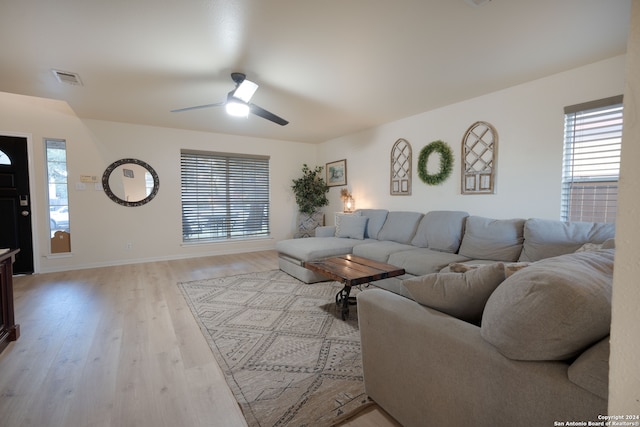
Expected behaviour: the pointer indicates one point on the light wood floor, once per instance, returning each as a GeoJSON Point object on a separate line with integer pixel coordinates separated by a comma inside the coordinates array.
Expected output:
{"type": "Point", "coordinates": [118, 346]}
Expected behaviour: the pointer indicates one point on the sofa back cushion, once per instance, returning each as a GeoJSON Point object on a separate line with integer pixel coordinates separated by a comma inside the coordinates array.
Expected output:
{"type": "Point", "coordinates": [377, 217]}
{"type": "Point", "coordinates": [440, 231]}
{"type": "Point", "coordinates": [552, 309]}
{"type": "Point", "coordinates": [494, 239]}
{"type": "Point", "coordinates": [545, 238]}
{"type": "Point", "coordinates": [400, 226]}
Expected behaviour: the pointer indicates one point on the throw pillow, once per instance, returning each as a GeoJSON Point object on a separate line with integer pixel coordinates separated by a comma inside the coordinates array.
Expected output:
{"type": "Point", "coordinates": [513, 267]}
{"type": "Point", "coordinates": [553, 309]}
{"type": "Point", "coordinates": [351, 226]}
{"type": "Point", "coordinates": [377, 217]}
{"type": "Point", "coordinates": [589, 247]}
{"type": "Point", "coordinates": [458, 267]}
{"type": "Point", "coordinates": [509, 267]}
{"type": "Point", "coordinates": [462, 295]}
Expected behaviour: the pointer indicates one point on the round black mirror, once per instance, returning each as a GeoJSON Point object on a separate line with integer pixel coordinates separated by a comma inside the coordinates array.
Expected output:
{"type": "Point", "coordinates": [130, 182]}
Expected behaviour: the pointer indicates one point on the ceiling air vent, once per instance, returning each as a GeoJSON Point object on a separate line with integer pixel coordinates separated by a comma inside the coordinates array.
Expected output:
{"type": "Point", "coordinates": [67, 77]}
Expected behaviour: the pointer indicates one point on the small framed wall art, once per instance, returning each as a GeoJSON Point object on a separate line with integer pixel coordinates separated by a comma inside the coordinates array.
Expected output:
{"type": "Point", "coordinates": [336, 173]}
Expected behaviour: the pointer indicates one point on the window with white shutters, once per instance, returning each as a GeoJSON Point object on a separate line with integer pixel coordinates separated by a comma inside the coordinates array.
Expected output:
{"type": "Point", "coordinates": [224, 196]}
{"type": "Point", "coordinates": [591, 160]}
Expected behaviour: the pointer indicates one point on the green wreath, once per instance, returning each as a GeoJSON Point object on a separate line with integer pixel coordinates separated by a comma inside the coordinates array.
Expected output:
{"type": "Point", "coordinates": [446, 163]}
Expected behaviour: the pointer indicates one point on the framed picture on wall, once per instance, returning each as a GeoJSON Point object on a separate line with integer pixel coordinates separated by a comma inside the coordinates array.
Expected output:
{"type": "Point", "coordinates": [336, 173]}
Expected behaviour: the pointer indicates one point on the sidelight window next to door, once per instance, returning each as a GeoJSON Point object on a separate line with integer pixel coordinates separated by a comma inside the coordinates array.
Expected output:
{"type": "Point", "coordinates": [56, 152]}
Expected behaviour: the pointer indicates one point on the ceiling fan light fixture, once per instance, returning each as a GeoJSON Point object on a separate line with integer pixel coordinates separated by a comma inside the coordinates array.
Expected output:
{"type": "Point", "coordinates": [245, 90]}
{"type": "Point", "coordinates": [237, 109]}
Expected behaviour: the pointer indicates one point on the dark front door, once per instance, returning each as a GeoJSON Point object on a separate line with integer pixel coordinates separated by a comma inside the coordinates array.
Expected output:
{"type": "Point", "coordinates": [15, 202]}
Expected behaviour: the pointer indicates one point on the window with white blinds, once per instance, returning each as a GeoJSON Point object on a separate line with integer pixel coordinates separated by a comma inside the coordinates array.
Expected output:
{"type": "Point", "coordinates": [224, 196]}
{"type": "Point", "coordinates": [591, 160]}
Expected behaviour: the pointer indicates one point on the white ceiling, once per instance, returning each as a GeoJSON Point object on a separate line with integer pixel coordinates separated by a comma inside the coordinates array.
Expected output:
{"type": "Point", "coordinates": [330, 67]}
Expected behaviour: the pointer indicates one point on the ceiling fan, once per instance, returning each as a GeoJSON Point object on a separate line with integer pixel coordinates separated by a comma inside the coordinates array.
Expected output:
{"type": "Point", "coordinates": [237, 103]}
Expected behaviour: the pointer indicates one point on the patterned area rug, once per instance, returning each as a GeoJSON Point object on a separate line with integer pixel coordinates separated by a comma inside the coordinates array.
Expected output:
{"type": "Point", "coordinates": [287, 356]}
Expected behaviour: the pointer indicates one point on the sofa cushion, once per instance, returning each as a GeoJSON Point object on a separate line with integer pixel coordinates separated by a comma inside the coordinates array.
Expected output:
{"type": "Point", "coordinates": [351, 226]}
{"type": "Point", "coordinates": [400, 226]}
{"type": "Point", "coordinates": [419, 261]}
{"type": "Point", "coordinates": [380, 250]}
{"type": "Point", "coordinates": [591, 370]}
{"type": "Point", "coordinates": [494, 239]}
{"type": "Point", "coordinates": [545, 238]}
{"type": "Point", "coordinates": [377, 217]}
{"type": "Point", "coordinates": [462, 295]}
{"type": "Point", "coordinates": [311, 248]}
{"type": "Point", "coordinates": [440, 231]}
{"type": "Point", "coordinates": [552, 309]}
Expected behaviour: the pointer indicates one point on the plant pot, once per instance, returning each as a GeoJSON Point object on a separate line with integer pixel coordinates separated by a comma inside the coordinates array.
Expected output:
{"type": "Point", "coordinates": [307, 224]}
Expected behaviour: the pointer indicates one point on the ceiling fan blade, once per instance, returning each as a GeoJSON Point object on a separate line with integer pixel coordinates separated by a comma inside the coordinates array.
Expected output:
{"type": "Point", "coordinates": [197, 107]}
{"type": "Point", "coordinates": [258, 111]}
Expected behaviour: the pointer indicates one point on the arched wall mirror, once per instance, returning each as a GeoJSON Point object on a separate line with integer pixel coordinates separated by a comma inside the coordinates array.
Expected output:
{"type": "Point", "coordinates": [130, 182]}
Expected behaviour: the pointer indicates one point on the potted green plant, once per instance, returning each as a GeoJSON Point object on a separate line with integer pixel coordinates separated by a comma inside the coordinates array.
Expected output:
{"type": "Point", "coordinates": [311, 194]}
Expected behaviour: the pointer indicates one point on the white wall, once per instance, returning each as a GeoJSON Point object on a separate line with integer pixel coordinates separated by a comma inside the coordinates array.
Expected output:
{"type": "Point", "coordinates": [624, 378]}
{"type": "Point", "coordinates": [529, 122]}
{"type": "Point", "coordinates": [100, 228]}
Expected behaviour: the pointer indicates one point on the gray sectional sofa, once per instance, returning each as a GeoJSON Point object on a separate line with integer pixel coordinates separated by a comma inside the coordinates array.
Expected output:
{"type": "Point", "coordinates": [427, 243]}
{"type": "Point", "coordinates": [497, 322]}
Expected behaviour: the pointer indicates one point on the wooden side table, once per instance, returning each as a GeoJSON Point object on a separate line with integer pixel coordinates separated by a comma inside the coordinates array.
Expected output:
{"type": "Point", "coordinates": [9, 331]}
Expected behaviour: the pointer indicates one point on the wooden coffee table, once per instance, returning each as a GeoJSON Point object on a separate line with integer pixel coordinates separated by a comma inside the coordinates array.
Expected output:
{"type": "Point", "coordinates": [352, 270]}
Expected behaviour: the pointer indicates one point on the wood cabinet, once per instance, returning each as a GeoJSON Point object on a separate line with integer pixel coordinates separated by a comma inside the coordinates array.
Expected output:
{"type": "Point", "coordinates": [9, 331]}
